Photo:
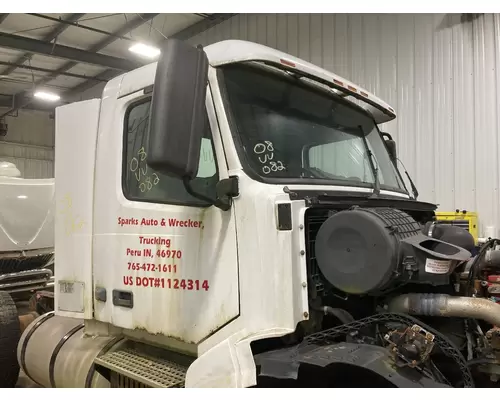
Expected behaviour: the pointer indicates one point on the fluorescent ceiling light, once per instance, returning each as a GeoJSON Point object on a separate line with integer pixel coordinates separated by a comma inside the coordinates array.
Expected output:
{"type": "Point", "coordinates": [47, 96]}
{"type": "Point", "coordinates": [145, 50]}
{"type": "Point", "coordinates": [22, 196]}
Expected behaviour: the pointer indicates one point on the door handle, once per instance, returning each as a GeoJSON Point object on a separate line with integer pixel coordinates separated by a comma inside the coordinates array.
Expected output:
{"type": "Point", "coordinates": [122, 298]}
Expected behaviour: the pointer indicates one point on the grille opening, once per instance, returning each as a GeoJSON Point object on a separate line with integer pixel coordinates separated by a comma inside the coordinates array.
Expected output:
{"type": "Point", "coordinates": [21, 264]}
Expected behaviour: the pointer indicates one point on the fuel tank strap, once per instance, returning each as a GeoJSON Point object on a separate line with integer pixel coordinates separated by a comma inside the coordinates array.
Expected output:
{"type": "Point", "coordinates": [53, 357]}
{"type": "Point", "coordinates": [22, 357]}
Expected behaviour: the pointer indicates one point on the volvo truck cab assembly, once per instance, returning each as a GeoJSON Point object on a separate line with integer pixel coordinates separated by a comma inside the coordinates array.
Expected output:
{"type": "Point", "coordinates": [233, 217]}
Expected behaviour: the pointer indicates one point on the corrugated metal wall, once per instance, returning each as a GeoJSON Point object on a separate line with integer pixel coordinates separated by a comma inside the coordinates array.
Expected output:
{"type": "Point", "coordinates": [29, 144]}
{"type": "Point", "coordinates": [441, 73]}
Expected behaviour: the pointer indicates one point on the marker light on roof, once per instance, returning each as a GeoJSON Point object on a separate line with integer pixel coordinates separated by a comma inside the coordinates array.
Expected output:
{"type": "Point", "coordinates": [352, 89]}
{"type": "Point", "coordinates": [363, 93]}
{"type": "Point", "coordinates": [287, 63]}
{"type": "Point", "coordinates": [337, 82]}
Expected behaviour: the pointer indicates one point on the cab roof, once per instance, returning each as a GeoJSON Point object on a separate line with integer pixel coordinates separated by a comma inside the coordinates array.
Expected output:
{"type": "Point", "coordinates": [236, 51]}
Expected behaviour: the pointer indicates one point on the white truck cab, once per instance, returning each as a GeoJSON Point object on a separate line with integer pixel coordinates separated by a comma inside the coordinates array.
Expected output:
{"type": "Point", "coordinates": [183, 216]}
{"type": "Point", "coordinates": [26, 232]}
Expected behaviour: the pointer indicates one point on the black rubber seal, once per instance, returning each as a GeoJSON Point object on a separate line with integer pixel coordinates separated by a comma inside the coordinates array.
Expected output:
{"type": "Point", "coordinates": [53, 357]}
{"type": "Point", "coordinates": [105, 349]}
{"type": "Point", "coordinates": [44, 318]}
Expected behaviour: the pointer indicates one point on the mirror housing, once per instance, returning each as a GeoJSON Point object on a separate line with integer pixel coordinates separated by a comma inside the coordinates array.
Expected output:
{"type": "Point", "coordinates": [177, 119]}
{"type": "Point", "coordinates": [390, 144]}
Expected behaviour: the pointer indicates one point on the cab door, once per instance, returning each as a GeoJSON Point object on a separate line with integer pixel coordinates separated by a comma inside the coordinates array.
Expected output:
{"type": "Point", "coordinates": [164, 261]}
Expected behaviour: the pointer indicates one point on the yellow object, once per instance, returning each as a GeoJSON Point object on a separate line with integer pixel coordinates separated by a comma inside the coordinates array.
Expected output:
{"type": "Point", "coordinates": [465, 219]}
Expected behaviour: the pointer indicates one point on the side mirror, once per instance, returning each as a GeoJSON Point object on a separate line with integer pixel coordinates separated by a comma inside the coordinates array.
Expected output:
{"type": "Point", "coordinates": [390, 144]}
{"type": "Point", "coordinates": [177, 119]}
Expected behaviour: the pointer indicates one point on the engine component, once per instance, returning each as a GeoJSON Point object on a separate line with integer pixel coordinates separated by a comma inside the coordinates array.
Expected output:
{"type": "Point", "coordinates": [342, 315]}
{"type": "Point", "coordinates": [442, 305]}
{"type": "Point", "coordinates": [450, 234]}
{"type": "Point", "coordinates": [493, 336]}
{"type": "Point", "coordinates": [343, 364]}
{"type": "Point", "coordinates": [492, 258]}
{"type": "Point", "coordinates": [324, 348]}
{"type": "Point", "coordinates": [411, 347]}
{"type": "Point", "coordinates": [366, 250]}
{"type": "Point", "coordinates": [467, 220]}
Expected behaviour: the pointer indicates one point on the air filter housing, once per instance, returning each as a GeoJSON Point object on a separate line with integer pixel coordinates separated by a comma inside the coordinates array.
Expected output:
{"type": "Point", "coordinates": [368, 250]}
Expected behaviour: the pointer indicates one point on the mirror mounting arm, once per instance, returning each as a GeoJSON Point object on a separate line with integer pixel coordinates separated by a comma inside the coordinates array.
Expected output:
{"type": "Point", "coordinates": [226, 190]}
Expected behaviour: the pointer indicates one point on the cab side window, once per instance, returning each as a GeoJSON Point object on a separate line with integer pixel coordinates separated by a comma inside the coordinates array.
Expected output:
{"type": "Point", "coordinates": [142, 183]}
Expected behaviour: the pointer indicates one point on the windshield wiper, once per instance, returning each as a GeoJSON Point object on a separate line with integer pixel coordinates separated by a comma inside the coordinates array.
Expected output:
{"type": "Point", "coordinates": [413, 187]}
{"type": "Point", "coordinates": [376, 183]}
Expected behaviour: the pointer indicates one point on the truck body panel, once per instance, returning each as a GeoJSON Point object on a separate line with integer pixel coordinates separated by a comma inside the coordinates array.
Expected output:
{"type": "Point", "coordinates": [178, 260]}
{"type": "Point", "coordinates": [76, 129]}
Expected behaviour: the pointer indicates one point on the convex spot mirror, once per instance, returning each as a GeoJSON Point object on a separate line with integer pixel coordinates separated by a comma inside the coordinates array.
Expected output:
{"type": "Point", "coordinates": [178, 115]}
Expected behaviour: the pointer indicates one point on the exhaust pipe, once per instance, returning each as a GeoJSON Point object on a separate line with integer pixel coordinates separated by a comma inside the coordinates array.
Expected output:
{"type": "Point", "coordinates": [442, 305]}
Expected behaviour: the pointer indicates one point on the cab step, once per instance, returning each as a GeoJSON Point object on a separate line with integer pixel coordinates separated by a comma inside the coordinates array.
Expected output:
{"type": "Point", "coordinates": [135, 369]}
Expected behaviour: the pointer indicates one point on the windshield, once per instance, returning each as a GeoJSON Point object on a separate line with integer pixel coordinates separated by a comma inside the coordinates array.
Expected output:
{"type": "Point", "coordinates": [291, 132]}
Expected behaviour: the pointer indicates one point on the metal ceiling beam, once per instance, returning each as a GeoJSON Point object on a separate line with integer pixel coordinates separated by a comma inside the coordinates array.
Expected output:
{"type": "Point", "coordinates": [31, 68]}
{"type": "Point", "coordinates": [201, 26]}
{"type": "Point", "coordinates": [78, 25]}
{"type": "Point", "coordinates": [110, 74]}
{"type": "Point", "coordinates": [47, 38]}
{"type": "Point", "coordinates": [65, 52]}
{"type": "Point", "coordinates": [141, 19]}
{"type": "Point", "coordinates": [106, 75]}
{"type": "Point", "coordinates": [3, 17]}
{"type": "Point", "coordinates": [187, 33]}
{"type": "Point", "coordinates": [129, 26]}
{"type": "Point", "coordinates": [126, 28]}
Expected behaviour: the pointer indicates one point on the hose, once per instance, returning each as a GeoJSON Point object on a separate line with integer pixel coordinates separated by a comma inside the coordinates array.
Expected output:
{"type": "Point", "coordinates": [475, 263]}
{"type": "Point", "coordinates": [339, 313]}
{"type": "Point", "coordinates": [479, 361]}
{"type": "Point", "coordinates": [442, 305]}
